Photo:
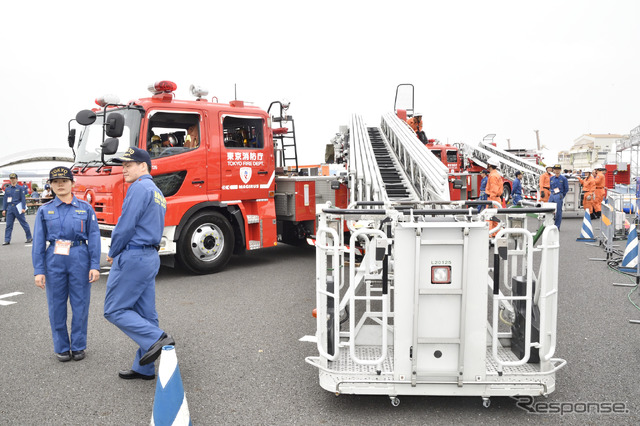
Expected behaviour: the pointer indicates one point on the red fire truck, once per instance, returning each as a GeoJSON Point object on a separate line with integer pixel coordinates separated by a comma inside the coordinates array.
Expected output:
{"type": "Point", "coordinates": [216, 166]}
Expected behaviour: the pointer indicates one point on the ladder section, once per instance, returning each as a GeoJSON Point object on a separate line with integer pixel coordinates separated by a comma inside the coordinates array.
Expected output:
{"type": "Point", "coordinates": [524, 165]}
{"type": "Point", "coordinates": [509, 164]}
{"type": "Point", "coordinates": [367, 184]}
{"type": "Point", "coordinates": [425, 172]}
{"type": "Point", "coordinates": [395, 184]}
{"type": "Point", "coordinates": [284, 139]}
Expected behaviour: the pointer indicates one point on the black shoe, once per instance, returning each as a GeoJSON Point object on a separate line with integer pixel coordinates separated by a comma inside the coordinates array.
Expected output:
{"type": "Point", "coordinates": [29, 240]}
{"type": "Point", "coordinates": [78, 355]}
{"type": "Point", "coordinates": [64, 356]}
{"type": "Point", "coordinates": [130, 374]}
{"type": "Point", "coordinates": [154, 351]}
{"type": "Point", "coordinates": [6, 243]}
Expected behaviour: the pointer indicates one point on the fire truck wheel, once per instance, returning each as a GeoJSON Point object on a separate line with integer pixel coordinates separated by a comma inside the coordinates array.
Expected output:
{"type": "Point", "coordinates": [207, 243]}
{"type": "Point", "coordinates": [506, 192]}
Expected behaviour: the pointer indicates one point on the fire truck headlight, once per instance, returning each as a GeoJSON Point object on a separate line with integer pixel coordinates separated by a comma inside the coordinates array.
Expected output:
{"type": "Point", "coordinates": [441, 275]}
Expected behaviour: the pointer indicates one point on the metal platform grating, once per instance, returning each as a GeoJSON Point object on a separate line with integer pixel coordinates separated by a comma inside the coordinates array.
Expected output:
{"type": "Point", "coordinates": [346, 365]}
{"type": "Point", "coordinates": [505, 354]}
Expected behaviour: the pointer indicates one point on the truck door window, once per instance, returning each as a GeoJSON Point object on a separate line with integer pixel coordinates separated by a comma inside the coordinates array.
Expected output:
{"type": "Point", "coordinates": [452, 156]}
{"type": "Point", "coordinates": [243, 132]}
{"type": "Point", "coordinates": [171, 133]}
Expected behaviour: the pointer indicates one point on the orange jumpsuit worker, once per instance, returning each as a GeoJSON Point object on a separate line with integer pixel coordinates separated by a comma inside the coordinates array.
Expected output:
{"type": "Point", "coordinates": [544, 184]}
{"type": "Point", "coordinates": [588, 187]}
{"type": "Point", "coordinates": [599, 194]}
{"type": "Point", "coordinates": [415, 123]}
{"type": "Point", "coordinates": [494, 185]}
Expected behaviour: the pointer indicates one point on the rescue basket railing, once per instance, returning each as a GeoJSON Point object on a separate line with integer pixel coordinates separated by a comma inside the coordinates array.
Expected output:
{"type": "Point", "coordinates": [366, 271]}
{"type": "Point", "coordinates": [323, 291]}
{"type": "Point", "coordinates": [547, 298]}
{"type": "Point", "coordinates": [498, 297]}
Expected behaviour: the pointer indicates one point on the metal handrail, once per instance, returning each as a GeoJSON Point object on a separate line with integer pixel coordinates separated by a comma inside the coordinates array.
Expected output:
{"type": "Point", "coordinates": [321, 314]}
{"type": "Point", "coordinates": [528, 298]}
{"type": "Point", "coordinates": [352, 300]}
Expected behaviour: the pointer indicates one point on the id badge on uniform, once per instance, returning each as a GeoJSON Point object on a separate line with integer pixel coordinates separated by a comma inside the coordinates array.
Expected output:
{"type": "Point", "coordinates": [62, 247]}
{"type": "Point", "coordinates": [556, 190]}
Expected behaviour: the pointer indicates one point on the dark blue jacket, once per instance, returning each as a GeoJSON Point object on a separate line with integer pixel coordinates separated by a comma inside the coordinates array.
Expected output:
{"type": "Point", "coordinates": [16, 193]}
{"type": "Point", "coordinates": [142, 220]}
{"type": "Point", "coordinates": [561, 183]}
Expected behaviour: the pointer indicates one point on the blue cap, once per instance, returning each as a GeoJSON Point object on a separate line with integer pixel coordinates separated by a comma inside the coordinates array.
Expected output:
{"type": "Point", "coordinates": [135, 154]}
{"type": "Point", "coordinates": [13, 176]}
{"type": "Point", "coordinates": [60, 173]}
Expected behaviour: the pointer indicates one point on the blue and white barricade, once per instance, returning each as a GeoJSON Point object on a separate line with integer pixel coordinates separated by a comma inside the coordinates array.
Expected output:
{"type": "Point", "coordinates": [630, 259]}
{"type": "Point", "coordinates": [170, 402]}
{"type": "Point", "coordinates": [586, 233]}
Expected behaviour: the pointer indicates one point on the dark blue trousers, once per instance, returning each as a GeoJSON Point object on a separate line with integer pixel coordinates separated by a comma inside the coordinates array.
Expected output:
{"type": "Point", "coordinates": [130, 302]}
{"type": "Point", "coordinates": [12, 215]}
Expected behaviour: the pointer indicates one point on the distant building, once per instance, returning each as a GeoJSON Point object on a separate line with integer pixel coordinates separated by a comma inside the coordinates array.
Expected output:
{"type": "Point", "coordinates": [588, 150]}
{"type": "Point", "coordinates": [565, 160]}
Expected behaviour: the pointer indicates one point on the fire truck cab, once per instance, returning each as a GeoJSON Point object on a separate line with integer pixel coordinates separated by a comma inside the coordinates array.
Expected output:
{"type": "Point", "coordinates": [214, 163]}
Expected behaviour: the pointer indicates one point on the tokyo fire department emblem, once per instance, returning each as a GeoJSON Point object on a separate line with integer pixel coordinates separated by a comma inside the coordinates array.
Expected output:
{"type": "Point", "coordinates": [245, 174]}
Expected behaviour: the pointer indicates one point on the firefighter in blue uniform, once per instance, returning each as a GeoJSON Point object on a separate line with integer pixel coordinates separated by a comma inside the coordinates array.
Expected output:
{"type": "Point", "coordinates": [559, 186]}
{"type": "Point", "coordinates": [66, 267]}
{"type": "Point", "coordinates": [483, 188]}
{"type": "Point", "coordinates": [130, 302]}
{"type": "Point", "coordinates": [14, 206]}
{"type": "Point", "coordinates": [516, 189]}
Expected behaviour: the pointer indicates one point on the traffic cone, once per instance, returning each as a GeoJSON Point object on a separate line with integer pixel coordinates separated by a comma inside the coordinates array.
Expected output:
{"type": "Point", "coordinates": [586, 233]}
{"type": "Point", "coordinates": [170, 402]}
{"type": "Point", "coordinates": [630, 257]}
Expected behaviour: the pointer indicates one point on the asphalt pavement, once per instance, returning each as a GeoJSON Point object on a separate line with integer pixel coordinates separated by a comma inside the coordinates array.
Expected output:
{"type": "Point", "coordinates": [241, 361]}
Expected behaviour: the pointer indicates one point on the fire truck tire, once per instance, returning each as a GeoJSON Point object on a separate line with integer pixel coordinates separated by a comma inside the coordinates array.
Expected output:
{"type": "Point", "coordinates": [506, 192]}
{"type": "Point", "coordinates": [206, 244]}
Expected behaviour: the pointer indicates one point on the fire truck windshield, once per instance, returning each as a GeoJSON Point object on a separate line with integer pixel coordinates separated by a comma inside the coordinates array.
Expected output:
{"type": "Point", "coordinates": [89, 150]}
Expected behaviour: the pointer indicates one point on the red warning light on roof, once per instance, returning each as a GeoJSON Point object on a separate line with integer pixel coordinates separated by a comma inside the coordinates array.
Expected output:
{"type": "Point", "coordinates": [164, 86]}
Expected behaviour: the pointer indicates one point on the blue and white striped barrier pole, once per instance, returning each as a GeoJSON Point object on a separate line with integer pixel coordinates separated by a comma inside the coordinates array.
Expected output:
{"type": "Point", "coordinates": [170, 402]}
{"type": "Point", "coordinates": [630, 257]}
{"type": "Point", "coordinates": [586, 233]}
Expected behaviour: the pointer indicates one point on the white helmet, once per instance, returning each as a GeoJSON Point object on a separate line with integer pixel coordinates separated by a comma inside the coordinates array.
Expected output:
{"type": "Point", "coordinates": [598, 167]}
{"type": "Point", "coordinates": [493, 161]}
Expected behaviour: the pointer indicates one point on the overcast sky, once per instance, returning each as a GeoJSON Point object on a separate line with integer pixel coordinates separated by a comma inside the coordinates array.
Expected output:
{"type": "Point", "coordinates": [505, 67]}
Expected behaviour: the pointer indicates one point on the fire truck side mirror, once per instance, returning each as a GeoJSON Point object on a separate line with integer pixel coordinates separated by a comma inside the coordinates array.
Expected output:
{"type": "Point", "coordinates": [114, 125]}
{"type": "Point", "coordinates": [86, 117]}
{"type": "Point", "coordinates": [72, 138]}
{"type": "Point", "coordinates": [457, 184]}
{"type": "Point", "coordinates": [110, 146]}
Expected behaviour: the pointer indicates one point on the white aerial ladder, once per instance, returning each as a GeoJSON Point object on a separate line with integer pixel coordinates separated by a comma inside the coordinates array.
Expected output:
{"type": "Point", "coordinates": [509, 163]}
{"type": "Point", "coordinates": [438, 304]}
{"type": "Point", "coordinates": [389, 163]}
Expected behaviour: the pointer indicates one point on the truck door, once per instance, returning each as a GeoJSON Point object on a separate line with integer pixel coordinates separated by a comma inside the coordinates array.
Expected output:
{"type": "Point", "coordinates": [247, 160]}
{"type": "Point", "coordinates": [176, 143]}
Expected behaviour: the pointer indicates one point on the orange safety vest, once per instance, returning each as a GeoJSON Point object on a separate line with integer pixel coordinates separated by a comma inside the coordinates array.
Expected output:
{"type": "Point", "coordinates": [494, 186]}
{"type": "Point", "coordinates": [588, 184]}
